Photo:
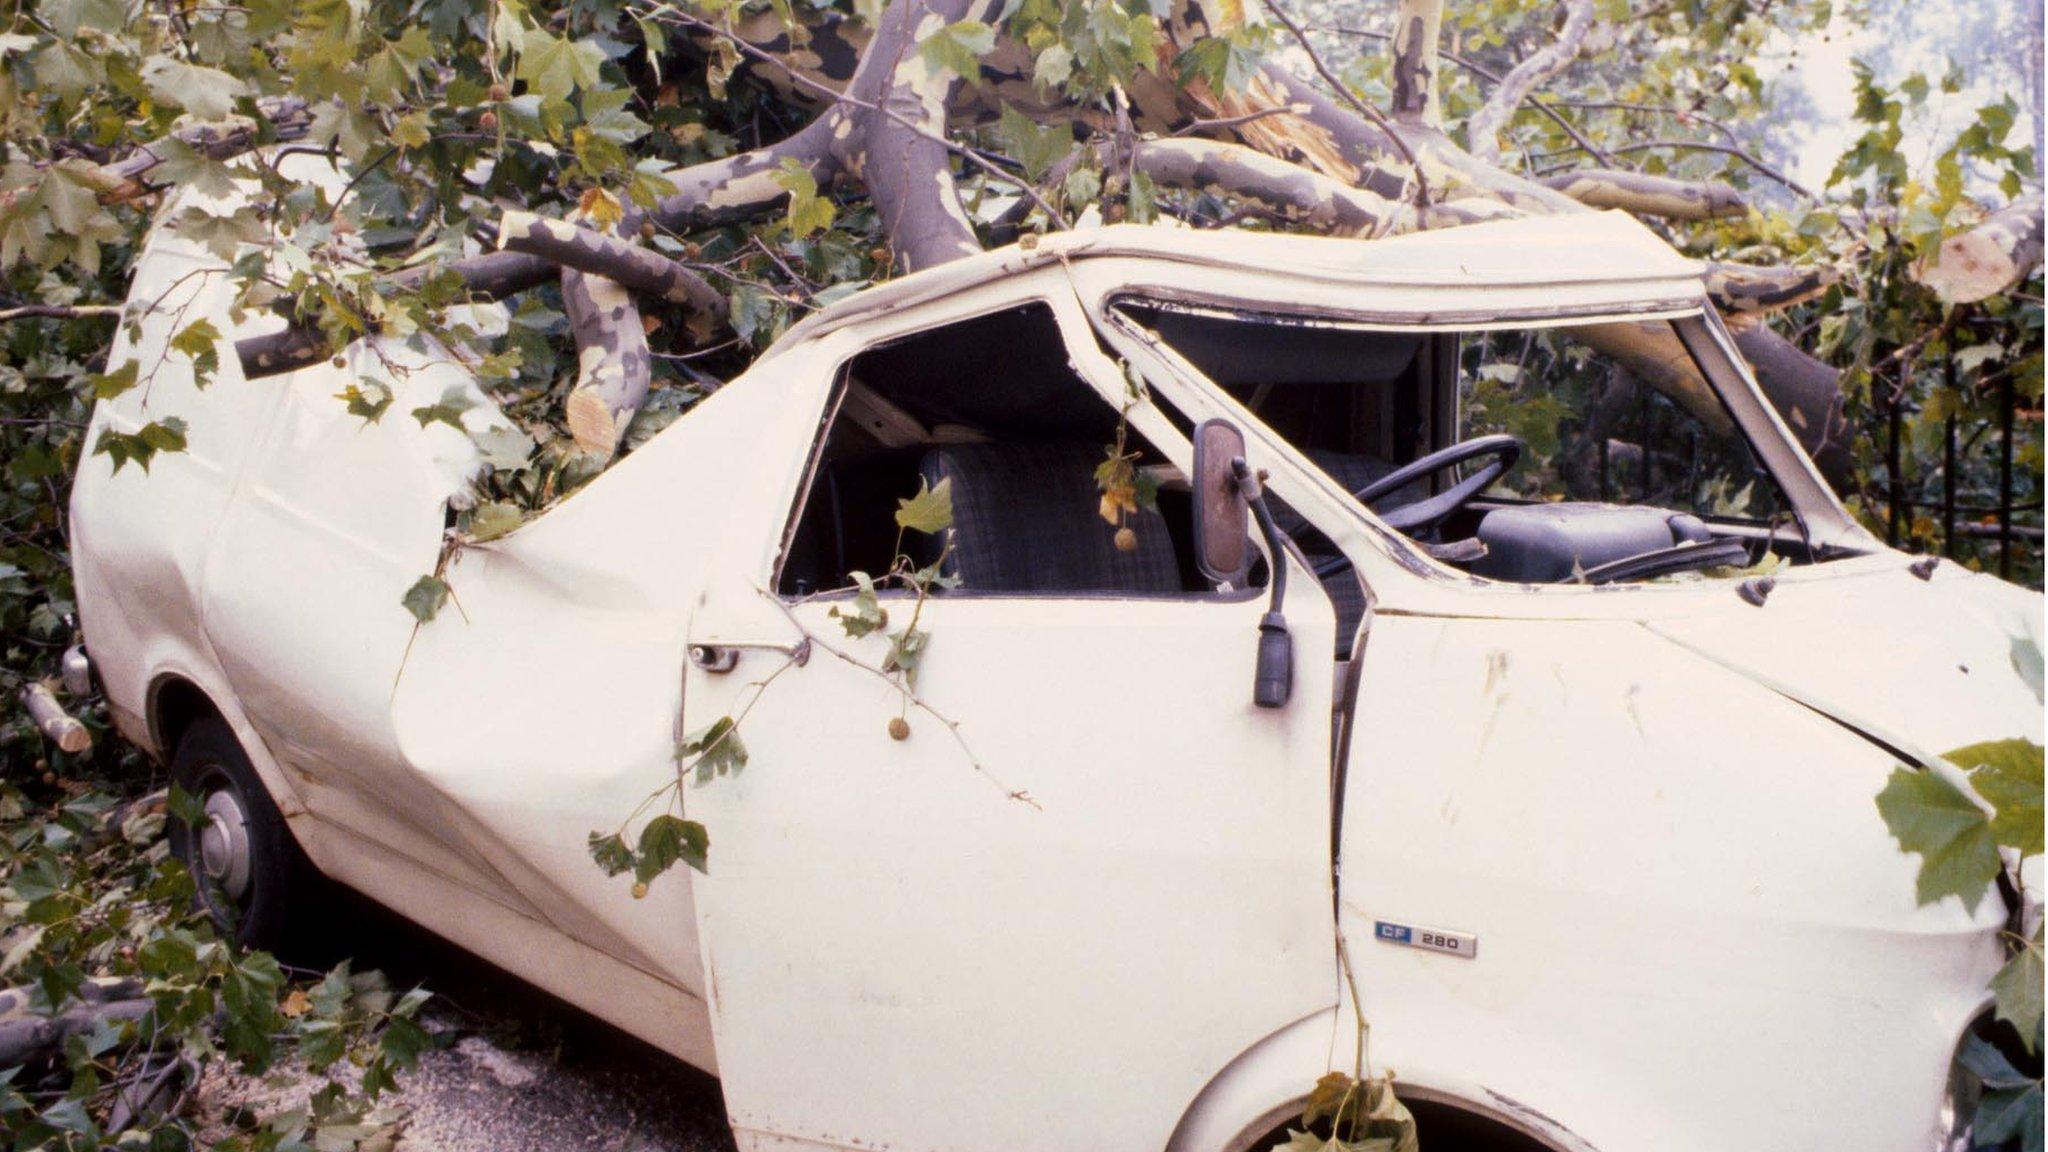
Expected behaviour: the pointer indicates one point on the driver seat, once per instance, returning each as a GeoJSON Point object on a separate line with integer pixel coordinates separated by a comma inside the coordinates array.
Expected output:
{"type": "Point", "coordinates": [1025, 520]}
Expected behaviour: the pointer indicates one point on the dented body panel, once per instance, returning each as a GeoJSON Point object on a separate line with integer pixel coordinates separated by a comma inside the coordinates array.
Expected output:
{"type": "Point", "coordinates": [1632, 827]}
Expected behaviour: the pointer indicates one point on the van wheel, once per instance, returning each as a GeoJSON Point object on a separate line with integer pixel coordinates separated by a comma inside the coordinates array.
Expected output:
{"type": "Point", "coordinates": [253, 879]}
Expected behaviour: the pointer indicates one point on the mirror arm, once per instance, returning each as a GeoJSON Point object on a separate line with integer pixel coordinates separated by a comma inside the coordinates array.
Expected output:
{"type": "Point", "coordinates": [1273, 681]}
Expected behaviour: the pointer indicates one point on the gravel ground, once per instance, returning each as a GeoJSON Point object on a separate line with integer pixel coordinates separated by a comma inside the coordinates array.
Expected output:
{"type": "Point", "coordinates": [514, 1069]}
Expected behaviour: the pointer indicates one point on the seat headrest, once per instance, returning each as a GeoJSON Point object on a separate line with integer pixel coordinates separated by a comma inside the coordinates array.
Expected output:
{"type": "Point", "coordinates": [1025, 520]}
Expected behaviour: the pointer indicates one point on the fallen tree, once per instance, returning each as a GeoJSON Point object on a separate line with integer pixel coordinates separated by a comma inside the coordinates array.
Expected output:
{"type": "Point", "coordinates": [899, 107]}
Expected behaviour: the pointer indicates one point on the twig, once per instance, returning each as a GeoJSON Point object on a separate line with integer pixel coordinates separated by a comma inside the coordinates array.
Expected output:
{"type": "Point", "coordinates": [1694, 146]}
{"type": "Point", "coordinates": [1371, 113]}
{"type": "Point", "coordinates": [952, 726]}
{"type": "Point", "coordinates": [59, 311]}
{"type": "Point", "coordinates": [1194, 127]}
{"type": "Point", "coordinates": [1491, 77]}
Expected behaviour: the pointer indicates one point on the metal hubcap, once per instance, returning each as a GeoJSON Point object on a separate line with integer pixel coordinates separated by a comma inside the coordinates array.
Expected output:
{"type": "Point", "coordinates": [224, 853]}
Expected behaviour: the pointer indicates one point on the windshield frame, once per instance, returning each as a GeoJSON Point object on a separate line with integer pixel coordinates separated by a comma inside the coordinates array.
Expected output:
{"type": "Point", "coordinates": [1819, 523]}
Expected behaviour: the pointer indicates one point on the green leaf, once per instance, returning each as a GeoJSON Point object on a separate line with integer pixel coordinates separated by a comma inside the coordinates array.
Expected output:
{"type": "Point", "coordinates": [207, 93]}
{"type": "Point", "coordinates": [717, 748]}
{"type": "Point", "coordinates": [366, 399]}
{"type": "Point", "coordinates": [142, 445]}
{"type": "Point", "coordinates": [665, 841]}
{"type": "Point", "coordinates": [120, 380]}
{"type": "Point", "coordinates": [808, 211]}
{"type": "Point", "coordinates": [930, 511]}
{"type": "Point", "coordinates": [865, 616]}
{"type": "Point", "coordinates": [1928, 815]}
{"type": "Point", "coordinates": [425, 598]}
{"type": "Point", "coordinates": [610, 853]}
{"type": "Point", "coordinates": [2007, 773]}
{"type": "Point", "coordinates": [494, 519]}
{"type": "Point", "coordinates": [199, 343]}
{"type": "Point", "coordinates": [958, 47]}
{"type": "Point", "coordinates": [1036, 146]}
{"type": "Point", "coordinates": [555, 67]}
{"type": "Point", "coordinates": [2016, 991]}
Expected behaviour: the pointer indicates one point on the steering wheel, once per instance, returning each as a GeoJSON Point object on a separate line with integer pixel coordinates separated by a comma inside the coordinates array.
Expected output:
{"type": "Point", "coordinates": [1422, 515]}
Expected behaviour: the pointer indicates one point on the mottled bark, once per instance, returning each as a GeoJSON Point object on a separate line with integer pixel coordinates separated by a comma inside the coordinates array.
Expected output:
{"type": "Point", "coordinates": [706, 195]}
{"type": "Point", "coordinates": [1482, 131]}
{"type": "Point", "coordinates": [1806, 392]}
{"type": "Point", "coordinates": [1743, 291]}
{"type": "Point", "coordinates": [1646, 195]}
{"type": "Point", "coordinates": [586, 250]}
{"type": "Point", "coordinates": [612, 361]}
{"type": "Point", "coordinates": [896, 145]}
{"type": "Point", "coordinates": [1987, 259]}
{"type": "Point", "coordinates": [1290, 191]}
{"type": "Point", "coordinates": [1417, 25]}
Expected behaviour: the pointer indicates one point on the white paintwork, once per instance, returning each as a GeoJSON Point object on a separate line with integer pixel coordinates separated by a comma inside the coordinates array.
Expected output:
{"type": "Point", "coordinates": [1649, 804]}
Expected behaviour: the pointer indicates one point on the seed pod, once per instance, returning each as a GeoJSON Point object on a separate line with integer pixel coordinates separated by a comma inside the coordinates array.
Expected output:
{"type": "Point", "coordinates": [640, 890]}
{"type": "Point", "coordinates": [1126, 540]}
{"type": "Point", "coordinates": [488, 121]}
{"type": "Point", "coordinates": [899, 728]}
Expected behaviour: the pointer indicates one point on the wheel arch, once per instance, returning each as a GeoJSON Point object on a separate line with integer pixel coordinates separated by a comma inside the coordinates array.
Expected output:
{"type": "Point", "coordinates": [175, 701]}
{"type": "Point", "coordinates": [1262, 1092]}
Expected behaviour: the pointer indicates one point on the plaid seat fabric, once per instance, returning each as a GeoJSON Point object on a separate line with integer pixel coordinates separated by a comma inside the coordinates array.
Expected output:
{"type": "Point", "coordinates": [1025, 520]}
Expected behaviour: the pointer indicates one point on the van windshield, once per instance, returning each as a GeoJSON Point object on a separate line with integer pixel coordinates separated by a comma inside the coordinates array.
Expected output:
{"type": "Point", "coordinates": [1523, 454]}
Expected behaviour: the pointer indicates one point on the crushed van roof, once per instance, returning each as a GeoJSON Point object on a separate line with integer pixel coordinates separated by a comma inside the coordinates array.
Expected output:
{"type": "Point", "coordinates": [1579, 249]}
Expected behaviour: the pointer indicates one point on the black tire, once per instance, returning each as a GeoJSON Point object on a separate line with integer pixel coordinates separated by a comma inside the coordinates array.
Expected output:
{"type": "Point", "coordinates": [264, 905]}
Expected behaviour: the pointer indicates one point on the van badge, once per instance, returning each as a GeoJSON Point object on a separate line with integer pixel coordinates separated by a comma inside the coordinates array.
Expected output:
{"type": "Point", "coordinates": [1435, 939]}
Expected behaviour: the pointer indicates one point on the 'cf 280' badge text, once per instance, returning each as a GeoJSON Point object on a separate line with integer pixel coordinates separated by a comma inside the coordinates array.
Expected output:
{"type": "Point", "coordinates": [1434, 939]}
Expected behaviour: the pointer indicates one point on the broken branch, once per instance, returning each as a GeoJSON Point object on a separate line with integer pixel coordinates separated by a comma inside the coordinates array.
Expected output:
{"type": "Point", "coordinates": [591, 252]}
{"type": "Point", "coordinates": [1649, 195]}
{"type": "Point", "coordinates": [57, 726]}
{"type": "Point", "coordinates": [1988, 258]}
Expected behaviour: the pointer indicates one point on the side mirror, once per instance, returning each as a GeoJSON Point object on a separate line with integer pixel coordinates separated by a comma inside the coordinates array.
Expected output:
{"type": "Point", "coordinates": [1222, 513]}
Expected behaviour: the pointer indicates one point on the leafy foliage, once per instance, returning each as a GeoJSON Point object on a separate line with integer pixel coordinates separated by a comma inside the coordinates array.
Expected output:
{"type": "Point", "coordinates": [1958, 843]}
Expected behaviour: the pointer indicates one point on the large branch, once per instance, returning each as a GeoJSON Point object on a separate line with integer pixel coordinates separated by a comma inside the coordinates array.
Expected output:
{"type": "Point", "coordinates": [612, 361]}
{"type": "Point", "coordinates": [706, 195]}
{"type": "Point", "coordinates": [1745, 291]}
{"type": "Point", "coordinates": [1285, 189]}
{"type": "Point", "coordinates": [1417, 28]}
{"type": "Point", "coordinates": [1646, 195]}
{"type": "Point", "coordinates": [1987, 259]}
{"type": "Point", "coordinates": [899, 150]}
{"type": "Point", "coordinates": [586, 250]}
{"type": "Point", "coordinates": [1482, 131]}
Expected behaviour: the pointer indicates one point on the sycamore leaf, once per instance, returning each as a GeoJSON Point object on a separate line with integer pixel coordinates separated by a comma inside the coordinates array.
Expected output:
{"type": "Point", "coordinates": [930, 511]}
{"type": "Point", "coordinates": [199, 342]}
{"type": "Point", "coordinates": [665, 841]}
{"type": "Point", "coordinates": [142, 445]}
{"type": "Point", "coordinates": [207, 93]}
{"type": "Point", "coordinates": [555, 67]}
{"type": "Point", "coordinates": [958, 47]}
{"type": "Point", "coordinates": [368, 400]}
{"type": "Point", "coordinates": [865, 616]}
{"type": "Point", "coordinates": [1928, 815]}
{"type": "Point", "coordinates": [1036, 146]}
{"type": "Point", "coordinates": [717, 748]}
{"type": "Point", "coordinates": [610, 853]}
{"type": "Point", "coordinates": [425, 598]}
{"type": "Point", "coordinates": [112, 384]}
{"type": "Point", "coordinates": [494, 519]}
{"type": "Point", "coordinates": [2007, 773]}
{"type": "Point", "coordinates": [808, 211]}
{"type": "Point", "coordinates": [2016, 991]}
